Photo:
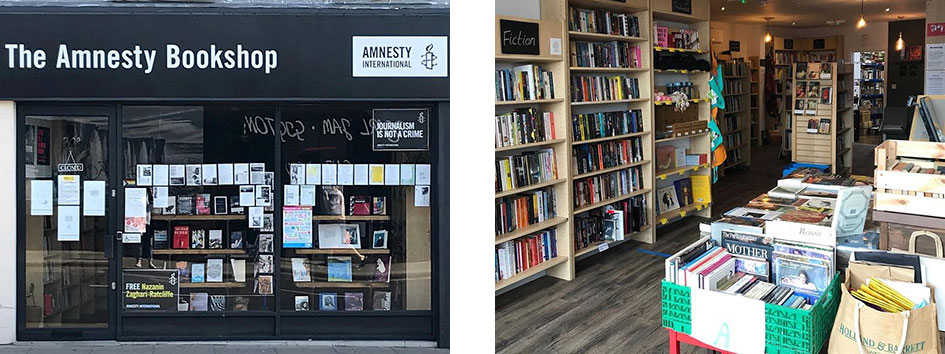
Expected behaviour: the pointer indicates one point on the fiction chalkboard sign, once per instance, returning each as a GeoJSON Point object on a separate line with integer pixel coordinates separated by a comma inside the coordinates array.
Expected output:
{"type": "Point", "coordinates": [682, 6]}
{"type": "Point", "coordinates": [734, 46]}
{"type": "Point", "coordinates": [519, 37]}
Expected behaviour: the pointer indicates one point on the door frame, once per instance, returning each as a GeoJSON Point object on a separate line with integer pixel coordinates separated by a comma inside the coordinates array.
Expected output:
{"type": "Point", "coordinates": [112, 222]}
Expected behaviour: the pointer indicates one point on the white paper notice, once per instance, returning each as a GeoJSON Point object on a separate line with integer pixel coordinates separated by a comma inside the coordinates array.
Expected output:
{"type": "Point", "coordinates": [307, 195]}
{"type": "Point", "coordinates": [361, 175]}
{"type": "Point", "coordinates": [423, 175]}
{"type": "Point", "coordinates": [225, 174]}
{"type": "Point", "coordinates": [421, 196]}
{"type": "Point", "coordinates": [391, 174]}
{"type": "Point", "coordinates": [68, 190]}
{"type": "Point", "coordinates": [291, 194]}
{"type": "Point", "coordinates": [329, 174]}
{"type": "Point", "coordinates": [145, 175]}
{"type": "Point", "coordinates": [255, 217]}
{"type": "Point", "coordinates": [136, 202]}
{"type": "Point", "coordinates": [935, 57]}
{"type": "Point", "coordinates": [67, 223]}
{"type": "Point", "coordinates": [714, 323]}
{"type": "Point", "coordinates": [177, 175]}
{"type": "Point", "coordinates": [296, 173]}
{"type": "Point", "coordinates": [160, 197]}
{"type": "Point", "coordinates": [41, 197]}
{"type": "Point", "coordinates": [129, 237]}
{"type": "Point", "coordinates": [241, 173]}
{"type": "Point", "coordinates": [94, 195]}
{"type": "Point", "coordinates": [408, 174]}
{"type": "Point", "coordinates": [161, 175]}
{"type": "Point", "coordinates": [935, 82]}
{"type": "Point", "coordinates": [247, 195]}
{"type": "Point", "coordinates": [345, 174]}
{"type": "Point", "coordinates": [313, 173]}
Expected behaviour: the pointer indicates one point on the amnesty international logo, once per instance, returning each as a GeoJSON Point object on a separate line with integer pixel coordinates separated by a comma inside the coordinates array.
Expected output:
{"type": "Point", "coordinates": [429, 59]}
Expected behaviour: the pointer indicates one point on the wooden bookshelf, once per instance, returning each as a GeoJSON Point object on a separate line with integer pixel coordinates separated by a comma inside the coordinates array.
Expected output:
{"type": "Point", "coordinates": [347, 251]}
{"type": "Point", "coordinates": [662, 15]}
{"type": "Point", "coordinates": [212, 285]}
{"type": "Point", "coordinates": [350, 217]}
{"type": "Point", "coordinates": [557, 64]}
{"type": "Point", "coordinates": [682, 212]}
{"type": "Point", "coordinates": [344, 285]}
{"type": "Point", "coordinates": [833, 148]}
{"type": "Point", "coordinates": [756, 99]}
{"type": "Point", "coordinates": [594, 248]}
{"type": "Point", "coordinates": [735, 121]}
{"type": "Point", "coordinates": [163, 217]}
{"type": "Point", "coordinates": [203, 251]}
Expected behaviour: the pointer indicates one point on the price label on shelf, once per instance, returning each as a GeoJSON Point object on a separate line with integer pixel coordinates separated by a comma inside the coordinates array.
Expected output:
{"type": "Point", "coordinates": [695, 168]}
{"type": "Point", "coordinates": [663, 177]}
{"type": "Point", "coordinates": [663, 221]}
{"type": "Point", "coordinates": [603, 247]}
{"type": "Point", "coordinates": [682, 172]}
{"type": "Point", "coordinates": [682, 213]}
{"type": "Point", "coordinates": [699, 207]}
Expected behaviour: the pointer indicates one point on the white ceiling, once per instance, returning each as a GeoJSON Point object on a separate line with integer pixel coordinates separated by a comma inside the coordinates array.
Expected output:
{"type": "Point", "coordinates": [815, 13]}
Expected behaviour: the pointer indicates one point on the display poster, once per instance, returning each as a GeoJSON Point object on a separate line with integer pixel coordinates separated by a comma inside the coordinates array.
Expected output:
{"type": "Point", "coordinates": [421, 196]}
{"type": "Point", "coordinates": [377, 175]}
{"type": "Point", "coordinates": [225, 174]}
{"type": "Point", "coordinates": [67, 223]}
{"type": "Point", "coordinates": [345, 174]}
{"type": "Point", "coordinates": [307, 195]}
{"type": "Point", "coordinates": [392, 174]}
{"type": "Point", "coordinates": [136, 209]}
{"type": "Point", "coordinates": [519, 37]}
{"type": "Point", "coordinates": [161, 175]}
{"type": "Point", "coordinates": [247, 195]}
{"type": "Point", "coordinates": [160, 197]}
{"type": "Point", "coordinates": [241, 173]}
{"type": "Point", "coordinates": [94, 195]}
{"type": "Point", "coordinates": [291, 194]}
{"type": "Point", "coordinates": [313, 173]}
{"type": "Point", "coordinates": [329, 174]}
{"type": "Point", "coordinates": [361, 175]}
{"type": "Point", "coordinates": [408, 174]}
{"type": "Point", "coordinates": [401, 129]}
{"type": "Point", "coordinates": [41, 197]}
{"type": "Point", "coordinates": [69, 189]}
{"type": "Point", "coordinates": [255, 217]}
{"type": "Point", "coordinates": [297, 227]}
{"type": "Point", "coordinates": [935, 69]}
{"type": "Point", "coordinates": [423, 175]}
{"type": "Point", "coordinates": [150, 289]}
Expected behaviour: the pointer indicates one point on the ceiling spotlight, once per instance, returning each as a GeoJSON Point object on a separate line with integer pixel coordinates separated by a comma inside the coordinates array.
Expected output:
{"type": "Point", "coordinates": [723, 8]}
{"type": "Point", "coordinates": [887, 9]}
{"type": "Point", "coordinates": [793, 23]}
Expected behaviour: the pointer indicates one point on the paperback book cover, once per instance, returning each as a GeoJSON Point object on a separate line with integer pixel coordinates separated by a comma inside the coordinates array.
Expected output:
{"type": "Point", "coordinates": [197, 273]}
{"type": "Point", "coordinates": [236, 239]}
{"type": "Point", "coordinates": [203, 204]}
{"type": "Point", "coordinates": [808, 278]}
{"type": "Point", "coordinates": [183, 272]}
{"type": "Point", "coordinates": [359, 205]}
{"type": "Point", "coordinates": [327, 301]}
{"type": "Point", "coordinates": [382, 301]}
{"type": "Point", "coordinates": [160, 239]}
{"type": "Point", "coordinates": [265, 284]}
{"type": "Point", "coordinates": [813, 90]}
{"type": "Point", "coordinates": [301, 303]}
{"type": "Point", "coordinates": [217, 302]}
{"type": "Point", "coordinates": [239, 269]}
{"type": "Point", "coordinates": [354, 301]}
{"type": "Point", "coordinates": [182, 236]}
{"type": "Point", "coordinates": [264, 264]}
{"type": "Point", "coordinates": [185, 205]}
{"type": "Point", "coordinates": [198, 238]}
{"type": "Point", "coordinates": [683, 191]}
{"type": "Point", "coordinates": [300, 271]}
{"type": "Point", "coordinates": [379, 206]}
{"type": "Point", "coordinates": [339, 269]}
{"type": "Point", "coordinates": [198, 301]}
{"type": "Point", "coordinates": [216, 239]}
{"type": "Point", "coordinates": [382, 269]}
{"type": "Point", "coordinates": [215, 270]}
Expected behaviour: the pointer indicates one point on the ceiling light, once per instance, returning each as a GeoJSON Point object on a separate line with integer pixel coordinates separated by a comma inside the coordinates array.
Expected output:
{"type": "Point", "coordinates": [900, 43]}
{"type": "Point", "coordinates": [768, 29]}
{"type": "Point", "coordinates": [887, 9]}
{"type": "Point", "coordinates": [862, 22]}
{"type": "Point", "coordinates": [793, 23]}
{"type": "Point", "coordinates": [723, 8]}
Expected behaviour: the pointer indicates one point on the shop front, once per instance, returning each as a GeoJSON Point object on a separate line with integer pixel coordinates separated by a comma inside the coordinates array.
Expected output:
{"type": "Point", "coordinates": [229, 175]}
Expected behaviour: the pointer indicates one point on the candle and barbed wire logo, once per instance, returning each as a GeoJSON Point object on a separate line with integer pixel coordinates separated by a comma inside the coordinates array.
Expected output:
{"type": "Point", "coordinates": [429, 59]}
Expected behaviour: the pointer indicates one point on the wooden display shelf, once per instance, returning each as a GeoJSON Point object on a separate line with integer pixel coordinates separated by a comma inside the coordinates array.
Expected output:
{"type": "Point", "coordinates": [543, 266]}
{"type": "Point", "coordinates": [676, 17]}
{"type": "Point", "coordinates": [529, 145]}
{"type": "Point", "coordinates": [516, 58]}
{"type": "Point", "coordinates": [739, 162]}
{"type": "Point", "coordinates": [209, 217]}
{"type": "Point", "coordinates": [592, 206]}
{"type": "Point", "coordinates": [605, 4]}
{"type": "Point", "coordinates": [738, 111]}
{"type": "Point", "coordinates": [736, 147]}
{"type": "Point", "coordinates": [594, 247]}
{"type": "Point", "coordinates": [608, 70]}
{"type": "Point", "coordinates": [350, 217]}
{"type": "Point", "coordinates": [609, 102]}
{"type": "Point", "coordinates": [220, 251]}
{"type": "Point", "coordinates": [681, 137]}
{"type": "Point", "coordinates": [679, 71]}
{"type": "Point", "coordinates": [528, 102]}
{"type": "Point", "coordinates": [844, 151]}
{"type": "Point", "coordinates": [610, 169]}
{"type": "Point", "coordinates": [529, 187]}
{"type": "Point", "coordinates": [603, 37]}
{"type": "Point", "coordinates": [681, 171]}
{"type": "Point", "coordinates": [608, 138]}
{"type": "Point", "coordinates": [670, 103]}
{"type": "Point", "coordinates": [348, 251]}
{"type": "Point", "coordinates": [681, 212]}
{"type": "Point", "coordinates": [230, 284]}
{"type": "Point", "coordinates": [346, 285]}
{"type": "Point", "coordinates": [547, 224]}
{"type": "Point", "coordinates": [678, 50]}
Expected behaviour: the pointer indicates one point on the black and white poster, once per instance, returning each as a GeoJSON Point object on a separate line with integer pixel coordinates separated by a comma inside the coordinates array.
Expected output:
{"type": "Point", "coordinates": [150, 289]}
{"type": "Point", "coordinates": [405, 129]}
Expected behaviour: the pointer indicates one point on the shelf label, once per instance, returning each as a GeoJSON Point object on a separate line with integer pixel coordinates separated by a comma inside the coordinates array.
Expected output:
{"type": "Point", "coordinates": [699, 207]}
{"type": "Point", "coordinates": [603, 247]}
{"type": "Point", "coordinates": [682, 172]}
{"type": "Point", "coordinates": [663, 221]}
{"type": "Point", "coordinates": [682, 214]}
{"type": "Point", "coordinates": [663, 177]}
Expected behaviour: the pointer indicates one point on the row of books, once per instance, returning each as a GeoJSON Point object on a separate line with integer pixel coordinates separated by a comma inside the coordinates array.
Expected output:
{"type": "Point", "coordinates": [806, 107]}
{"type": "Point", "coordinates": [785, 58]}
{"type": "Point", "coordinates": [732, 87]}
{"type": "Point", "coordinates": [524, 82]}
{"type": "Point", "coordinates": [813, 89]}
{"type": "Point", "coordinates": [674, 196]}
{"type": "Point", "coordinates": [594, 189]}
{"type": "Point", "coordinates": [515, 212]}
{"type": "Point", "coordinates": [730, 123]}
{"type": "Point", "coordinates": [923, 167]}
{"type": "Point", "coordinates": [213, 271]}
{"type": "Point", "coordinates": [513, 257]}
{"type": "Point", "coordinates": [606, 124]}
{"type": "Point", "coordinates": [675, 38]}
{"type": "Point", "coordinates": [593, 227]}
{"type": "Point", "coordinates": [525, 169]}
{"type": "Point", "coordinates": [735, 69]}
{"type": "Point", "coordinates": [733, 140]}
{"type": "Point", "coordinates": [353, 301]}
{"type": "Point", "coordinates": [818, 126]}
{"type": "Point", "coordinates": [603, 22]}
{"type": "Point", "coordinates": [813, 71]}
{"type": "Point", "coordinates": [595, 157]}
{"type": "Point", "coordinates": [613, 54]}
{"type": "Point", "coordinates": [596, 88]}
{"type": "Point", "coordinates": [524, 126]}
{"type": "Point", "coordinates": [733, 104]}
{"type": "Point", "coordinates": [185, 237]}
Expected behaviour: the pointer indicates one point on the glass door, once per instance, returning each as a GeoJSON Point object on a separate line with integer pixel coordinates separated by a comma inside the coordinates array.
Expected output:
{"type": "Point", "coordinates": [66, 287]}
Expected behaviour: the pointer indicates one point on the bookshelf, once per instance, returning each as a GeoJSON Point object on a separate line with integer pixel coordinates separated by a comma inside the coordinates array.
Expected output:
{"type": "Point", "coordinates": [869, 86]}
{"type": "Point", "coordinates": [757, 102]}
{"type": "Point", "coordinates": [556, 109]}
{"type": "Point", "coordinates": [638, 165]}
{"type": "Point", "coordinates": [816, 142]}
{"type": "Point", "coordinates": [665, 116]}
{"type": "Point", "coordinates": [735, 120]}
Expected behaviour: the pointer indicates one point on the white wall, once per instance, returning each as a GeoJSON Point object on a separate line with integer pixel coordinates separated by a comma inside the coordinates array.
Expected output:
{"type": "Point", "coordinates": [519, 8]}
{"type": "Point", "coordinates": [8, 223]}
{"type": "Point", "coordinates": [873, 37]}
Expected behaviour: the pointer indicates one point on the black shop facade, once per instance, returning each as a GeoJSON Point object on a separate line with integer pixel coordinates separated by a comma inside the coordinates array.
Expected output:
{"type": "Point", "coordinates": [229, 174]}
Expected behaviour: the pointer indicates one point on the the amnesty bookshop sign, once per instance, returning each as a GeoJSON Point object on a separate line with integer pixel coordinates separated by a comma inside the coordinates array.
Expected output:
{"type": "Point", "coordinates": [150, 289]}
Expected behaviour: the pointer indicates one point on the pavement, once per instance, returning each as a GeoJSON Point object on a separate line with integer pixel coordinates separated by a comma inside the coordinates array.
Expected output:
{"type": "Point", "coordinates": [221, 348]}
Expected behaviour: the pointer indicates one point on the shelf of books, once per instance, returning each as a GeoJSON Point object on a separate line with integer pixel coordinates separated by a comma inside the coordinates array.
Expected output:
{"type": "Point", "coordinates": [735, 120]}
{"type": "Point", "coordinates": [869, 86]}
{"type": "Point", "coordinates": [532, 149]}
{"type": "Point", "coordinates": [610, 130]}
{"type": "Point", "coordinates": [756, 100]}
{"type": "Point", "coordinates": [785, 55]}
{"type": "Point", "coordinates": [822, 117]}
{"type": "Point", "coordinates": [681, 139]}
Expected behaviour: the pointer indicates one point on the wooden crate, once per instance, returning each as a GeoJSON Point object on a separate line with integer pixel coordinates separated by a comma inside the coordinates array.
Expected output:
{"type": "Point", "coordinates": [904, 192]}
{"type": "Point", "coordinates": [896, 231]}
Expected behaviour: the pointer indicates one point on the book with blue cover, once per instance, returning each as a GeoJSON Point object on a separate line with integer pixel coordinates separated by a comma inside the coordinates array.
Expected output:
{"type": "Point", "coordinates": [339, 269]}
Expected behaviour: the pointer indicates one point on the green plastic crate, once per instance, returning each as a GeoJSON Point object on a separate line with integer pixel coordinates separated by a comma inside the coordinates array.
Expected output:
{"type": "Point", "coordinates": [787, 330]}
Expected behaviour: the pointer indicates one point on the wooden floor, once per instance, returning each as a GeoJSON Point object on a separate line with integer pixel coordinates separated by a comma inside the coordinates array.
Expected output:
{"type": "Point", "coordinates": [613, 303]}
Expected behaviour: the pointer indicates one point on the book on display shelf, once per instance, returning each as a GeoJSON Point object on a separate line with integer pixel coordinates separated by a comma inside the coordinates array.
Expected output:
{"type": "Point", "coordinates": [526, 169]}
{"type": "Point", "coordinates": [608, 154]}
{"type": "Point", "coordinates": [524, 126]}
{"type": "Point", "coordinates": [598, 88]}
{"type": "Point", "coordinates": [586, 126]}
{"type": "Point", "coordinates": [603, 22]}
{"type": "Point", "coordinates": [522, 210]}
{"type": "Point", "coordinates": [512, 257]}
{"type": "Point", "coordinates": [524, 83]}
{"type": "Point", "coordinates": [608, 185]}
